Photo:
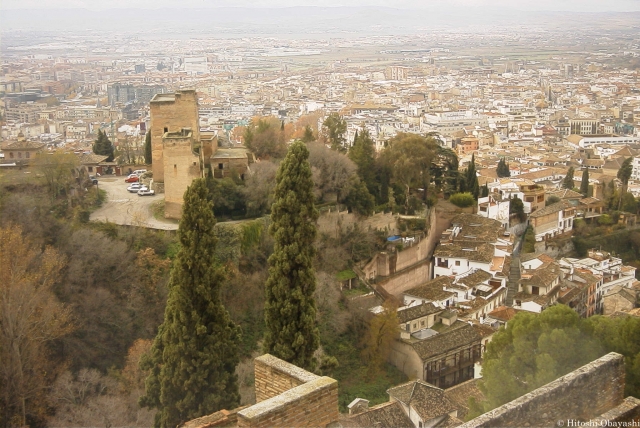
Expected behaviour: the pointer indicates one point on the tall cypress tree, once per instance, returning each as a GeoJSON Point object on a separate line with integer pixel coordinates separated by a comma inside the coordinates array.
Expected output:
{"type": "Point", "coordinates": [363, 154]}
{"type": "Point", "coordinates": [194, 355]}
{"type": "Point", "coordinates": [308, 137]}
{"type": "Point", "coordinates": [584, 184]}
{"type": "Point", "coordinates": [503, 169]}
{"type": "Point", "coordinates": [471, 178]}
{"type": "Point", "coordinates": [103, 146]}
{"type": "Point", "coordinates": [567, 182]}
{"type": "Point", "coordinates": [148, 156]}
{"type": "Point", "coordinates": [290, 309]}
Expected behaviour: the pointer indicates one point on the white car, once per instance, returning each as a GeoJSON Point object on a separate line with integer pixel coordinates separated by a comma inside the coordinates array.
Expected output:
{"type": "Point", "coordinates": [134, 187]}
{"type": "Point", "coordinates": [144, 191]}
{"type": "Point", "coordinates": [139, 172]}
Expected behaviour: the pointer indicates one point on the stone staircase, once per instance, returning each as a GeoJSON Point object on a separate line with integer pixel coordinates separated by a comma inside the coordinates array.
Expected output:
{"type": "Point", "coordinates": [514, 279]}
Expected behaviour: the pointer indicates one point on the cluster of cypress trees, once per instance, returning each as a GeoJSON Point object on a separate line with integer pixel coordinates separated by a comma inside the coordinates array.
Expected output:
{"type": "Point", "coordinates": [469, 181]}
{"type": "Point", "coordinates": [503, 169]}
{"type": "Point", "coordinates": [192, 362]}
{"type": "Point", "coordinates": [103, 146]}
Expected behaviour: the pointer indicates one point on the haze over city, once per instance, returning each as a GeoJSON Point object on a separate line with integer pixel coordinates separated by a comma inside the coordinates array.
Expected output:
{"type": "Point", "coordinates": [281, 213]}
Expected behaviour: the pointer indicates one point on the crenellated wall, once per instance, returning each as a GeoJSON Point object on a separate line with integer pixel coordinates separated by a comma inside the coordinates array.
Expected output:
{"type": "Point", "coordinates": [289, 396]}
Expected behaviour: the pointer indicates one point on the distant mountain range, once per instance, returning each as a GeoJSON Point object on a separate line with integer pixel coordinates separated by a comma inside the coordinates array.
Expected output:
{"type": "Point", "coordinates": [325, 21]}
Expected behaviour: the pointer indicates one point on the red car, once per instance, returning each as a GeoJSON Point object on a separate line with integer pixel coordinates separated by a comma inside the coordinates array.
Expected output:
{"type": "Point", "coordinates": [132, 179]}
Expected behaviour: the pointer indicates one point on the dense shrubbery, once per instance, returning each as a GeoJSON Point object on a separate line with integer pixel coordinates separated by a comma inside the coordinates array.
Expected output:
{"type": "Point", "coordinates": [462, 200]}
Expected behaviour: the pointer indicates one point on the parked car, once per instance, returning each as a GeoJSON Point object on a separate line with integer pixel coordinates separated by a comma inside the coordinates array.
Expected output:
{"type": "Point", "coordinates": [132, 179]}
{"type": "Point", "coordinates": [146, 192]}
{"type": "Point", "coordinates": [139, 171]}
{"type": "Point", "coordinates": [135, 187]}
{"type": "Point", "coordinates": [93, 179]}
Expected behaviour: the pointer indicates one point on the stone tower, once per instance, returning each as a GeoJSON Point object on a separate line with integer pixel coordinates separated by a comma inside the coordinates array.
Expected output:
{"type": "Point", "coordinates": [171, 113]}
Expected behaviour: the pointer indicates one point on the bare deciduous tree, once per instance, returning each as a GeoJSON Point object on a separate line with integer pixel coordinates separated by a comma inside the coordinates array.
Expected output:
{"type": "Point", "coordinates": [31, 317]}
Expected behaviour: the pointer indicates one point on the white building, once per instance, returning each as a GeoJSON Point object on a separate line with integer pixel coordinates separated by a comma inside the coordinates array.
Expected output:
{"type": "Point", "coordinates": [610, 268]}
{"type": "Point", "coordinates": [494, 208]}
{"type": "Point", "coordinates": [450, 122]}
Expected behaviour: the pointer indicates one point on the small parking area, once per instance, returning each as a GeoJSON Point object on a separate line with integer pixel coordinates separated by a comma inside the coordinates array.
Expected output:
{"type": "Point", "coordinates": [125, 208]}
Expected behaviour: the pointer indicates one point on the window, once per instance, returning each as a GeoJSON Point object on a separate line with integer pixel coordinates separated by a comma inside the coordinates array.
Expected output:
{"type": "Point", "coordinates": [220, 166]}
{"type": "Point", "coordinates": [27, 155]}
{"type": "Point", "coordinates": [457, 262]}
{"type": "Point", "coordinates": [535, 290]}
{"type": "Point", "coordinates": [415, 325]}
{"type": "Point", "coordinates": [19, 155]}
{"type": "Point", "coordinates": [166, 129]}
{"type": "Point", "coordinates": [11, 155]}
{"type": "Point", "coordinates": [90, 168]}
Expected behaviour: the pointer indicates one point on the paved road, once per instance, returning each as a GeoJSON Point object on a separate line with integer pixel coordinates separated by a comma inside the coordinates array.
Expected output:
{"type": "Point", "coordinates": [127, 208]}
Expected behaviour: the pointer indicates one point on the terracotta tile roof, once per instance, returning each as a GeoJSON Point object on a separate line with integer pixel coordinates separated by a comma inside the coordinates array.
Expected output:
{"type": "Point", "coordinates": [543, 276]}
{"type": "Point", "coordinates": [564, 194]}
{"type": "Point", "coordinates": [475, 278]}
{"type": "Point", "coordinates": [503, 313]}
{"type": "Point", "coordinates": [460, 394]}
{"type": "Point", "coordinates": [418, 311]}
{"type": "Point", "coordinates": [432, 290]}
{"type": "Point", "coordinates": [625, 293]}
{"type": "Point", "coordinates": [91, 158]}
{"type": "Point", "coordinates": [484, 330]}
{"type": "Point", "coordinates": [550, 209]}
{"type": "Point", "coordinates": [384, 415]}
{"type": "Point", "coordinates": [23, 145]}
{"type": "Point", "coordinates": [479, 253]}
{"type": "Point", "coordinates": [428, 401]}
{"type": "Point", "coordinates": [442, 343]}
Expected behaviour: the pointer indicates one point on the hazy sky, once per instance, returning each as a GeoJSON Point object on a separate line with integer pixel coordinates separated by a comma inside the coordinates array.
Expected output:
{"type": "Point", "coordinates": [575, 5]}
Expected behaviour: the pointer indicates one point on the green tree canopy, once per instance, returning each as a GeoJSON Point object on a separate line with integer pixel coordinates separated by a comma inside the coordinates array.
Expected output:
{"type": "Point", "coordinates": [553, 199]}
{"type": "Point", "coordinates": [462, 200]}
{"type": "Point", "coordinates": [148, 157]}
{"type": "Point", "coordinates": [411, 158]}
{"type": "Point", "coordinates": [103, 146]}
{"type": "Point", "coordinates": [529, 243]}
{"type": "Point", "coordinates": [503, 169]}
{"type": "Point", "coordinates": [359, 200]}
{"type": "Point", "coordinates": [290, 309]}
{"type": "Point", "coordinates": [363, 154]}
{"type": "Point", "coordinates": [194, 355]}
{"type": "Point", "coordinates": [567, 182]}
{"type": "Point", "coordinates": [516, 206]}
{"type": "Point", "coordinates": [533, 350]}
{"type": "Point", "coordinates": [471, 178]}
{"type": "Point", "coordinates": [265, 138]}
{"type": "Point", "coordinates": [624, 175]}
{"type": "Point", "coordinates": [335, 127]}
{"type": "Point", "coordinates": [584, 184]}
{"type": "Point", "coordinates": [308, 136]}
{"type": "Point", "coordinates": [445, 170]}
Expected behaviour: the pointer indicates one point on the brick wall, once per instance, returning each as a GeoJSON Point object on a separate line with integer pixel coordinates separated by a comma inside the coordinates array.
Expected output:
{"type": "Point", "coordinates": [290, 396]}
{"type": "Point", "coordinates": [583, 394]}
{"type": "Point", "coordinates": [313, 404]}
{"type": "Point", "coordinates": [173, 113]}
{"type": "Point", "coordinates": [274, 376]}
{"type": "Point", "coordinates": [331, 222]}
{"type": "Point", "coordinates": [181, 167]}
{"type": "Point", "coordinates": [406, 279]}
